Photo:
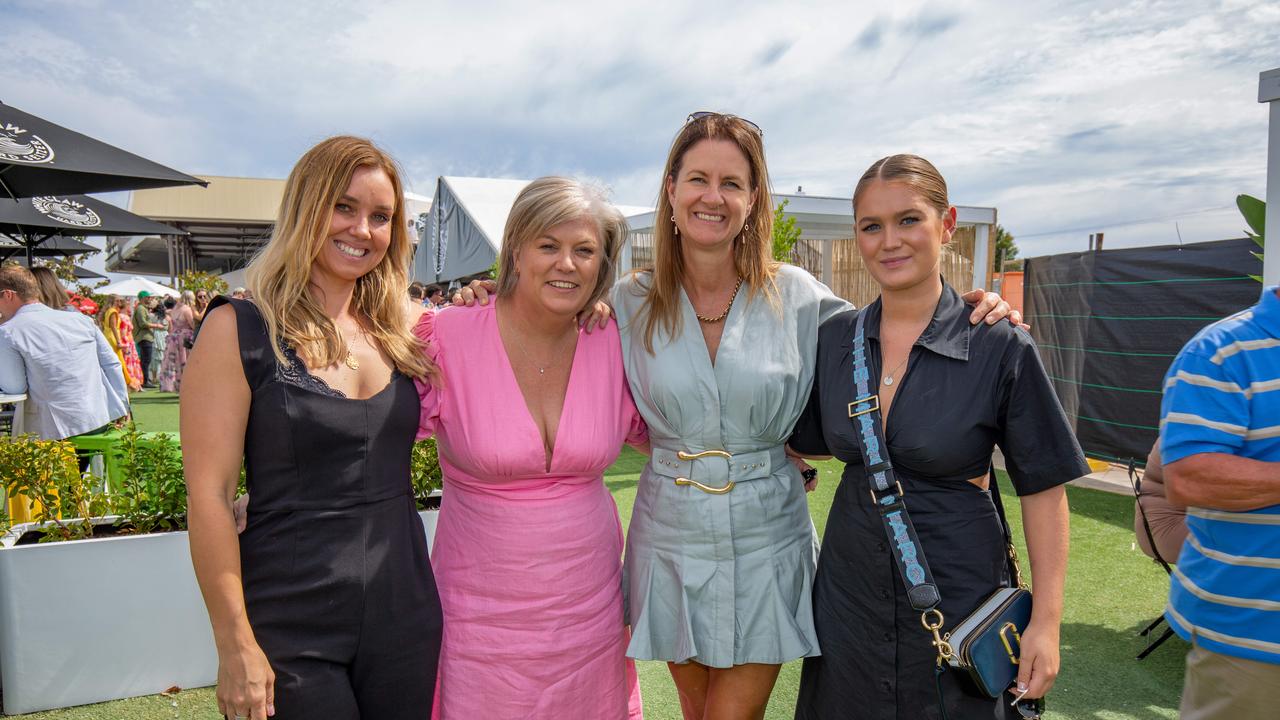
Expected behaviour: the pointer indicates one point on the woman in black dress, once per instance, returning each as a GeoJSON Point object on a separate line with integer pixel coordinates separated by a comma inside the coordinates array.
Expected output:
{"type": "Point", "coordinates": [326, 607]}
{"type": "Point", "coordinates": [964, 390]}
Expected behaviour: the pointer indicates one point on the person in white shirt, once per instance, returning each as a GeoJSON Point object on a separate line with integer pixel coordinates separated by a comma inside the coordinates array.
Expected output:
{"type": "Point", "coordinates": [72, 378]}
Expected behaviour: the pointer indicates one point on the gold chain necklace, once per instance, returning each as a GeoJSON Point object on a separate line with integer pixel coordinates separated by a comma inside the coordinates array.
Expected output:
{"type": "Point", "coordinates": [727, 308]}
{"type": "Point", "coordinates": [351, 360]}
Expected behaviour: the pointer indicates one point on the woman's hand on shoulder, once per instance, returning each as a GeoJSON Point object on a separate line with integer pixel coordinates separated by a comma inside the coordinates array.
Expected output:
{"type": "Point", "coordinates": [598, 315]}
{"type": "Point", "coordinates": [992, 308]}
{"type": "Point", "coordinates": [477, 291]}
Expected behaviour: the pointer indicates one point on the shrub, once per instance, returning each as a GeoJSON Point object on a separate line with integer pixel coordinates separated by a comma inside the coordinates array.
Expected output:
{"type": "Point", "coordinates": [424, 472]}
{"type": "Point", "coordinates": [47, 473]}
{"type": "Point", "coordinates": [153, 492]}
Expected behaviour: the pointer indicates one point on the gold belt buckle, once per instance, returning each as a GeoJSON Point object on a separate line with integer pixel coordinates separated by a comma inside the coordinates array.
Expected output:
{"type": "Point", "coordinates": [875, 405]}
{"type": "Point", "coordinates": [704, 488]}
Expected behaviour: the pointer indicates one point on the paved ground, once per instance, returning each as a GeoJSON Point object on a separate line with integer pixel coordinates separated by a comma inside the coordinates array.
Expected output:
{"type": "Point", "coordinates": [1106, 477]}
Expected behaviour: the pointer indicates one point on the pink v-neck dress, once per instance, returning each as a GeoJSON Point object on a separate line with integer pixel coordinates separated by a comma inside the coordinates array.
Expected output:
{"type": "Point", "coordinates": [528, 562]}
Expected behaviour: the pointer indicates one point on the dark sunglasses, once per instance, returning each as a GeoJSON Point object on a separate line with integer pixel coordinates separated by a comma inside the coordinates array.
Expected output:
{"type": "Point", "coordinates": [707, 113]}
{"type": "Point", "coordinates": [1029, 709]}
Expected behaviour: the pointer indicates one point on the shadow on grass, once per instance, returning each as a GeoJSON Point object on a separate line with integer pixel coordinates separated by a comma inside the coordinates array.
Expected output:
{"type": "Point", "coordinates": [1100, 674]}
{"type": "Point", "coordinates": [153, 398]}
{"type": "Point", "coordinates": [1102, 506]}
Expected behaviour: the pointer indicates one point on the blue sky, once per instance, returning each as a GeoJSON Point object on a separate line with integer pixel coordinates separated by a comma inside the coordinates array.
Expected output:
{"type": "Point", "coordinates": [1139, 119]}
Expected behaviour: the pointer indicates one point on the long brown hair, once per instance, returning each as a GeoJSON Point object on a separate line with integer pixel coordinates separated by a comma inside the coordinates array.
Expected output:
{"type": "Point", "coordinates": [280, 276]}
{"type": "Point", "coordinates": [752, 250]}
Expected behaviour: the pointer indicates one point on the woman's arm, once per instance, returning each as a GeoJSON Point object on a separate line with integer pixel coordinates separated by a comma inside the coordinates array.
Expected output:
{"type": "Point", "coordinates": [214, 412]}
{"type": "Point", "coordinates": [1046, 525]}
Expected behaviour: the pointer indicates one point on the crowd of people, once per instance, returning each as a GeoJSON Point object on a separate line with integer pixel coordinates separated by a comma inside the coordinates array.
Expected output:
{"type": "Point", "coordinates": [138, 343]}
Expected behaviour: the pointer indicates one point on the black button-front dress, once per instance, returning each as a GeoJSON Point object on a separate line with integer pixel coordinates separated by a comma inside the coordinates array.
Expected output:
{"type": "Point", "coordinates": [967, 389]}
{"type": "Point", "coordinates": [337, 583]}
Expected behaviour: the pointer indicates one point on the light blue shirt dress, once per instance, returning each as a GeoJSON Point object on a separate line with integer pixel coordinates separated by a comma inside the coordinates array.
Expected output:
{"type": "Point", "coordinates": [723, 578]}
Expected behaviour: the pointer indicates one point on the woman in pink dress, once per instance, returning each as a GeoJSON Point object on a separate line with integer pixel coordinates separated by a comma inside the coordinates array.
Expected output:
{"type": "Point", "coordinates": [528, 413]}
{"type": "Point", "coordinates": [177, 344]}
{"type": "Point", "coordinates": [132, 366]}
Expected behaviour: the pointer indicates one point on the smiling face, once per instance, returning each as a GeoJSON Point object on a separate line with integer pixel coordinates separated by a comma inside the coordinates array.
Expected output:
{"type": "Point", "coordinates": [359, 227]}
{"type": "Point", "coordinates": [711, 195]}
{"type": "Point", "coordinates": [558, 270]}
{"type": "Point", "coordinates": [900, 235]}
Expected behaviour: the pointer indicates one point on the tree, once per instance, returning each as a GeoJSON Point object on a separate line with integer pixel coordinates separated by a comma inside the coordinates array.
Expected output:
{"type": "Point", "coordinates": [1006, 251]}
{"type": "Point", "coordinates": [786, 233]}
{"type": "Point", "coordinates": [197, 280]}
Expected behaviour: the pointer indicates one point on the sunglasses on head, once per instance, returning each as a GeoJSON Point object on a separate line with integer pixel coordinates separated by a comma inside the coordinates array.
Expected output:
{"type": "Point", "coordinates": [707, 113]}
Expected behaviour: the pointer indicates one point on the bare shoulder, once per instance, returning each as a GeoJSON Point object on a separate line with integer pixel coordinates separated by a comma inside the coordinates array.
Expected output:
{"type": "Point", "coordinates": [413, 312]}
{"type": "Point", "coordinates": [217, 347]}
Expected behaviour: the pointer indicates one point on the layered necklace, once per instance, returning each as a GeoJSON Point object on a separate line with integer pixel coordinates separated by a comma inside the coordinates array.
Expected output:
{"type": "Point", "coordinates": [727, 308]}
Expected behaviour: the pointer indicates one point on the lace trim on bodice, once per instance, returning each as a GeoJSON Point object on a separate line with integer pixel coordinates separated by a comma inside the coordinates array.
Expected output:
{"type": "Point", "coordinates": [297, 374]}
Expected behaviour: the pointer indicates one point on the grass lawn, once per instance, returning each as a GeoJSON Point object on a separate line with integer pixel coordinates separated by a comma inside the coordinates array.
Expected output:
{"type": "Point", "coordinates": [1112, 592]}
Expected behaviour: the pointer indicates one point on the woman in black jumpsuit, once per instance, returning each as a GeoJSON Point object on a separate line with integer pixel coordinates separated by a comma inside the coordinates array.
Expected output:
{"type": "Point", "coordinates": [331, 610]}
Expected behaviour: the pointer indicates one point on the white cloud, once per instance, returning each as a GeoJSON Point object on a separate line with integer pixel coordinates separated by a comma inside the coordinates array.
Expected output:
{"type": "Point", "coordinates": [1063, 116]}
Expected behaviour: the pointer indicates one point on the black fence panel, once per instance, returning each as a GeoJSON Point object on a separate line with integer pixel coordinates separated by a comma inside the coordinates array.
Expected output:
{"type": "Point", "coordinates": [1108, 325]}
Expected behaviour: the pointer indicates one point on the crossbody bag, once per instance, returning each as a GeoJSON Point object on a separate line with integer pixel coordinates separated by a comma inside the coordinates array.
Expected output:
{"type": "Point", "coordinates": [986, 644]}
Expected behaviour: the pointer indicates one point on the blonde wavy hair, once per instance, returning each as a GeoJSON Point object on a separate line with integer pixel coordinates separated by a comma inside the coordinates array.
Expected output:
{"type": "Point", "coordinates": [752, 250]}
{"type": "Point", "coordinates": [280, 275]}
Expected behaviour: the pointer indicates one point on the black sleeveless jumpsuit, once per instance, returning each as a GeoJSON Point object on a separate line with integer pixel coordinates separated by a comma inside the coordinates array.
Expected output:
{"type": "Point", "coordinates": [337, 583]}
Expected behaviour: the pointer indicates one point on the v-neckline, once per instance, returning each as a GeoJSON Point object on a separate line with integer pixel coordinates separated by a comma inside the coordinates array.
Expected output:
{"type": "Point", "coordinates": [692, 314]}
{"type": "Point", "coordinates": [549, 460]}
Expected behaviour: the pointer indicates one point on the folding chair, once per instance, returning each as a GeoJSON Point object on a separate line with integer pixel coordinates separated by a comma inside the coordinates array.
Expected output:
{"type": "Point", "coordinates": [1136, 482]}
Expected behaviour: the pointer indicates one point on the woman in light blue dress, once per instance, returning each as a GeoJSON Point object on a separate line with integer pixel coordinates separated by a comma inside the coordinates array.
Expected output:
{"type": "Point", "coordinates": [719, 344]}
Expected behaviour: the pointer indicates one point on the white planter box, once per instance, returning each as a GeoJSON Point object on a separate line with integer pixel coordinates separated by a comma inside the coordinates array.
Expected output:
{"type": "Point", "coordinates": [93, 620]}
{"type": "Point", "coordinates": [429, 519]}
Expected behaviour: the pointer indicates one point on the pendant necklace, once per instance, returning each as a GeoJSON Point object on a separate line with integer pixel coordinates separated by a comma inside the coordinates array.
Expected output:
{"type": "Point", "coordinates": [727, 308]}
{"type": "Point", "coordinates": [351, 360]}
{"type": "Point", "coordinates": [888, 379]}
{"type": "Point", "coordinates": [542, 369]}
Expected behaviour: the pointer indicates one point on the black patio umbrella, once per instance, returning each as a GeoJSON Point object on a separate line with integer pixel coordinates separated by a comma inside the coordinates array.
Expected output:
{"type": "Point", "coordinates": [38, 157]}
{"type": "Point", "coordinates": [81, 273]}
{"type": "Point", "coordinates": [54, 247]}
{"type": "Point", "coordinates": [32, 221]}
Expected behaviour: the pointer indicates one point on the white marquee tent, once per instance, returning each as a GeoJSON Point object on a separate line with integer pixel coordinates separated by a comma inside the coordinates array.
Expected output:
{"type": "Point", "coordinates": [464, 234]}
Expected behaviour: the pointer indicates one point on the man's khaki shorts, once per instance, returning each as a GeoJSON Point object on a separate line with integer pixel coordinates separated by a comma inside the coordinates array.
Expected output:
{"type": "Point", "coordinates": [1222, 687]}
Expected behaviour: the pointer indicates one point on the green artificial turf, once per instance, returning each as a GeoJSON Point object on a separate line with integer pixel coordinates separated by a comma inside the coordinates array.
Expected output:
{"type": "Point", "coordinates": [1112, 592]}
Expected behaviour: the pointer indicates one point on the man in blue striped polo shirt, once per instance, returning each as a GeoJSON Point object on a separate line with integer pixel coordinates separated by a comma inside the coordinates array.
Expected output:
{"type": "Point", "coordinates": [1220, 437]}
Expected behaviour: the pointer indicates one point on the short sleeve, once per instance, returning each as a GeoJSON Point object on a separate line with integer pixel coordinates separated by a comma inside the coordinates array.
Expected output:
{"type": "Point", "coordinates": [807, 438]}
{"type": "Point", "coordinates": [429, 391]}
{"type": "Point", "coordinates": [1203, 409]}
{"type": "Point", "coordinates": [1039, 447]}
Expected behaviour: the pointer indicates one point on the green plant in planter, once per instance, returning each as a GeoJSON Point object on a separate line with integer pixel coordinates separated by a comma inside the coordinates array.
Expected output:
{"type": "Point", "coordinates": [153, 495]}
{"type": "Point", "coordinates": [47, 472]}
{"type": "Point", "coordinates": [424, 472]}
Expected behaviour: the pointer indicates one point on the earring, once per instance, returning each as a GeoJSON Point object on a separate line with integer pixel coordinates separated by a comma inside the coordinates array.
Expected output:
{"type": "Point", "coordinates": [674, 227]}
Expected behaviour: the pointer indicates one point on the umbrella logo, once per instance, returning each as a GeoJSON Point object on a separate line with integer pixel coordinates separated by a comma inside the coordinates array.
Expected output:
{"type": "Point", "coordinates": [15, 148]}
{"type": "Point", "coordinates": [68, 212]}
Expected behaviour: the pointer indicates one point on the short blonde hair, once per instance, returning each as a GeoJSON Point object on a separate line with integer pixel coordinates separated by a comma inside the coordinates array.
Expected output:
{"type": "Point", "coordinates": [550, 201]}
